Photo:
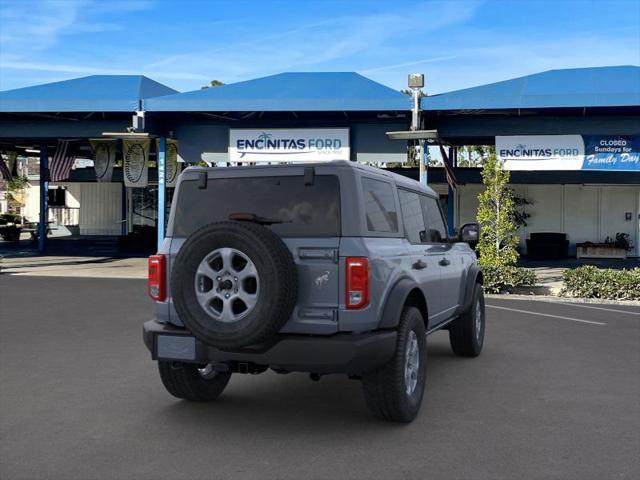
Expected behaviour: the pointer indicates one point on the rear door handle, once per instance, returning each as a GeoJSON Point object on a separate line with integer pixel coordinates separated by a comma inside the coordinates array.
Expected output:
{"type": "Point", "coordinates": [419, 265]}
{"type": "Point", "coordinates": [444, 262]}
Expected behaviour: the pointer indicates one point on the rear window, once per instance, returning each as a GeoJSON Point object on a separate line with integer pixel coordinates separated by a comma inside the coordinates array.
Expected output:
{"type": "Point", "coordinates": [306, 210]}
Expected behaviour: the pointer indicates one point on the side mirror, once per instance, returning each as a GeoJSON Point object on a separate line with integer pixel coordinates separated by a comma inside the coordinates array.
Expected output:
{"type": "Point", "coordinates": [469, 233]}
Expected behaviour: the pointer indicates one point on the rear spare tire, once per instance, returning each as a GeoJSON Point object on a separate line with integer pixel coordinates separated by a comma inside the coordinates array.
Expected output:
{"type": "Point", "coordinates": [234, 284]}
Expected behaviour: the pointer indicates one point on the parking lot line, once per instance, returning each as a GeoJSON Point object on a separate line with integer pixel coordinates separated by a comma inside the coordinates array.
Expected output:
{"type": "Point", "coordinates": [546, 315]}
{"type": "Point", "coordinates": [598, 308]}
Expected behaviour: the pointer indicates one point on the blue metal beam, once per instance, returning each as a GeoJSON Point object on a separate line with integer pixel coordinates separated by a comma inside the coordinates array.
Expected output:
{"type": "Point", "coordinates": [44, 199]}
{"type": "Point", "coordinates": [162, 188]}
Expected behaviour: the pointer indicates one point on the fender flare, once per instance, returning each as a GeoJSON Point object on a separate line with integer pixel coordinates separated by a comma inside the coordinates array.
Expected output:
{"type": "Point", "coordinates": [395, 301]}
{"type": "Point", "coordinates": [474, 275]}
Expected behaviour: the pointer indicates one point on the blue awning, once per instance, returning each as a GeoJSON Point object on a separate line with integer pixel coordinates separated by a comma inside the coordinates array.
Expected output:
{"type": "Point", "coordinates": [288, 92]}
{"type": "Point", "coordinates": [96, 93]}
{"type": "Point", "coordinates": [577, 87]}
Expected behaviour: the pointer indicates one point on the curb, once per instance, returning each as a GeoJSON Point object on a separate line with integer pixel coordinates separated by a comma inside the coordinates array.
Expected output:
{"type": "Point", "coordinates": [556, 299]}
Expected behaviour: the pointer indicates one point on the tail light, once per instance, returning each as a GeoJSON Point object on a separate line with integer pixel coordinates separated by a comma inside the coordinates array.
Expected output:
{"type": "Point", "coordinates": [156, 282]}
{"type": "Point", "coordinates": [357, 282]}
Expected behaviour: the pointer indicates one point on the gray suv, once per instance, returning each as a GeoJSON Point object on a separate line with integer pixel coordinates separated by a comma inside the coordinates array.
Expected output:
{"type": "Point", "coordinates": [320, 268]}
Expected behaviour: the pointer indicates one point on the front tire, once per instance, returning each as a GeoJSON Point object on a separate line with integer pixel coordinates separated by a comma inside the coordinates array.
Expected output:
{"type": "Point", "coordinates": [394, 391]}
{"type": "Point", "coordinates": [190, 382]}
{"type": "Point", "coordinates": [466, 334]}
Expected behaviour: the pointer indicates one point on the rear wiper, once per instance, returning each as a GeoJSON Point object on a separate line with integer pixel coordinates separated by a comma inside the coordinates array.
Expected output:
{"type": "Point", "coordinates": [252, 217]}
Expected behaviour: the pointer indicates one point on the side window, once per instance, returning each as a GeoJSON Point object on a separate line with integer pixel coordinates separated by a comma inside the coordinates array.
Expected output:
{"type": "Point", "coordinates": [412, 216]}
{"type": "Point", "coordinates": [436, 230]}
{"type": "Point", "coordinates": [380, 206]}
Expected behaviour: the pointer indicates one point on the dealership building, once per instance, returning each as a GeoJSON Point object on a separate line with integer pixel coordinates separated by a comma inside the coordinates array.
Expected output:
{"type": "Point", "coordinates": [571, 139]}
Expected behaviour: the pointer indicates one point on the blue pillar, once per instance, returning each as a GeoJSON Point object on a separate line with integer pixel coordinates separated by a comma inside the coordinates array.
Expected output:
{"type": "Point", "coordinates": [453, 160]}
{"type": "Point", "coordinates": [44, 199]}
{"type": "Point", "coordinates": [162, 188]}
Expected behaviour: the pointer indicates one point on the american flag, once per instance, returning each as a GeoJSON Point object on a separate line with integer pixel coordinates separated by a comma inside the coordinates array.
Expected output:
{"type": "Point", "coordinates": [4, 170]}
{"type": "Point", "coordinates": [62, 161]}
{"type": "Point", "coordinates": [448, 170]}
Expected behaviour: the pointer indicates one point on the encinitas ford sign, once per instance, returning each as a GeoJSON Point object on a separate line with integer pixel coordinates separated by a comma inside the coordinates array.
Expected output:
{"type": "Point", "coordinates": [541, 152]}
{"type": "Point", "coordinates": [289, 145]}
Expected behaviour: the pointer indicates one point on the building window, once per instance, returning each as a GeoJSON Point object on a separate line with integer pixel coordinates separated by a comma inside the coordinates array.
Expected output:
{"type": "Point", "coordinates": [57, 197]}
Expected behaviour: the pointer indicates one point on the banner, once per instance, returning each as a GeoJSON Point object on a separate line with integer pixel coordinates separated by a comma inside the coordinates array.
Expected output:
{"type": "Point", "coordinates": [541, 152]}
{"type": "Point", "coordinates": [135, 154]}
{"type": "Point", "coordinates": [569, 152]}
{"type": "Point", "coordinates": [172, 163]}
{"type": "Point", "coordinates": [289, 145]}
{"type": "Point", "coordinates": [610, 152]}
{"type": "Point", "coordinates": [104, 157]}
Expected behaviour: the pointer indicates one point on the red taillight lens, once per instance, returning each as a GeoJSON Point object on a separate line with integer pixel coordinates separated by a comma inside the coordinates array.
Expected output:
{"type": "Point", "coordinates": [156, 282]}
{"type": "Point", "coordinates": [357, 282]}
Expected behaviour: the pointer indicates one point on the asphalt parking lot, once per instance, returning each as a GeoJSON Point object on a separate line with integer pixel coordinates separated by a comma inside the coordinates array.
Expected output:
{"type": "Point", "coordinates": [555, 394]}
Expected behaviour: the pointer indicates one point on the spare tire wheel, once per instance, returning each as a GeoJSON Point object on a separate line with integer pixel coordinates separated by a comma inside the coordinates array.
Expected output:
{"type": "Point", "coordinates": [234, 284]}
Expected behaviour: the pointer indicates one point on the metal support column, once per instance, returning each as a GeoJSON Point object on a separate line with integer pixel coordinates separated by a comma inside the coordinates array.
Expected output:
{"type": "Point", "coordinates": [424, 159]}
{"type": "Point", "coordinates": [44, 200]}
{"type": "Point", "coordinates": [453, 159]}
{"type": "Point", "coordinates": [162, 188]}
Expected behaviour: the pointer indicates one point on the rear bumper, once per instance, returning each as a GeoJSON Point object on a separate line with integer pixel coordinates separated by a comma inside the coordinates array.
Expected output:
{"type": "Point", "coordinates": [339, 353]}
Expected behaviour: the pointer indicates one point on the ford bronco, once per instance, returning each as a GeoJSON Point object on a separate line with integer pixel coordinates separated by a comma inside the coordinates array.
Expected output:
{"type": "Point", "coordinates": [320, 268]}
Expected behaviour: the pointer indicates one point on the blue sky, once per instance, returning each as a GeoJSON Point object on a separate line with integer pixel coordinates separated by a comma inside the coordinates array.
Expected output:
{"type": "Point", "coordinates": [184, 44]}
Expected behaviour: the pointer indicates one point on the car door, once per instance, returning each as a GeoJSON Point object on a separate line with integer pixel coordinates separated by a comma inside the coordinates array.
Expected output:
{"type": "Point", "coordinates": [444, 251]}
{"type": "Point", "coordinates": [424, 261]}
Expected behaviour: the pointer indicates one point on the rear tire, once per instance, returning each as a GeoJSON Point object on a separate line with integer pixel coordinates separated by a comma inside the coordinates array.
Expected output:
{"type": "Point", "coordinates": [390, 391]}
{"type": "Point", "coordinates": [466, 334]}
{"type": "Point", "coordinates": [187, 381]}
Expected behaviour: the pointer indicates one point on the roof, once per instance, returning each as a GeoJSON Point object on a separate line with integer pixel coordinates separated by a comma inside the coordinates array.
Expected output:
{"type": "Point", "coordinates": [96, 93]}
{"type": "Point", "coordinates": [577, 87]}
{"type": "Point", "coordinates": [299, 92]}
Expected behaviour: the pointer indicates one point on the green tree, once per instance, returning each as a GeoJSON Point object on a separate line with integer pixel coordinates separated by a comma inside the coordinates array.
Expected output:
{"type": "Point", "coordinates": [496, 212]}
{"type": "Point", "coordinates": [213, 83]}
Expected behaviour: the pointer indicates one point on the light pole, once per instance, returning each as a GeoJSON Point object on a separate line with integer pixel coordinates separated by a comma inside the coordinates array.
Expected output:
{"type": "Point", "coordinates": [416, 83]}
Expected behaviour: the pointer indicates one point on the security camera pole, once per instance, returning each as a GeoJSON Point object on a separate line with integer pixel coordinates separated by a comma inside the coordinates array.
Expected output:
{"type": "Point", "coordinates": [416, 83]}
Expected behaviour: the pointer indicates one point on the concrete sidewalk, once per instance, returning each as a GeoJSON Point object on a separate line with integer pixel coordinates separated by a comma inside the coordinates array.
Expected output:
{"type": "Point", "coordinates": [95, 267]}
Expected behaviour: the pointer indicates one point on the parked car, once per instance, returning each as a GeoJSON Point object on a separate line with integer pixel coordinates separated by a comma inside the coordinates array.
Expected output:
{"type": "Point", "coordinates": [325, 268]}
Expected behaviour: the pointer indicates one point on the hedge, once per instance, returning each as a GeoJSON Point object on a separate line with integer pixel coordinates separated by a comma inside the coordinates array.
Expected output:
{"type": "Point", "coordinates": [498, 278]}
{"type": "Point", "coordinates": [591, 282]}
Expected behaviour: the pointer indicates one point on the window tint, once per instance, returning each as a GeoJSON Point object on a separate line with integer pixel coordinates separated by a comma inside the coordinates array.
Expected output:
{"type": "Point", "coordinates": [412, 216]}
{"type": "Point", "coordinates": [305, 210]}
{"type": "Point", "coordinates": [380, 207]}
{"type": "Point", "coordinates": [436, 230]}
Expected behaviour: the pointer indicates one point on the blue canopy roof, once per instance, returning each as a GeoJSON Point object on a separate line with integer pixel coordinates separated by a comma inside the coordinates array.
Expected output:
{"type": "Point", "coordinates": [307, 91]}
{"type": "Point", "coordinates": [96, 93]}
{"type": "Point", "coordinates": [577, 87]}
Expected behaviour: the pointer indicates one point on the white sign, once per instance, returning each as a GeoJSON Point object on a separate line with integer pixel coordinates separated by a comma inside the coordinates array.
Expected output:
{"type": "Point", "coordinates": [289, 145]}
{"type": "Point", "coordinates": [541, 152]}
{"type": "Point", "coordinates": [136, 162]}
{"type": "Point", "coordinates": [104, 157]}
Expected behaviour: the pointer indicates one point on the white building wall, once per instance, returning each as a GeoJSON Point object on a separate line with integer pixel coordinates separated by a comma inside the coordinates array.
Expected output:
{"type": "Point", "coordinates": [583, 212]}
{"type": "Point", "coordinates": [100, 208]}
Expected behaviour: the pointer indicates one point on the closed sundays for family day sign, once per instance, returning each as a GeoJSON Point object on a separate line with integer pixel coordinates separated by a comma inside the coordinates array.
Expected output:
{"type": "Point", "coordinates": [569, 152]}
{"type": "Point", "coordinates": [289, 145]}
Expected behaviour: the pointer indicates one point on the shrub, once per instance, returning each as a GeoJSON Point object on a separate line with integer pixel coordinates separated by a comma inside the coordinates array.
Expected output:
{"type": "Point", "coordinates": [592, 282]}
{"type": "Point", "coordinates": [499, 277]}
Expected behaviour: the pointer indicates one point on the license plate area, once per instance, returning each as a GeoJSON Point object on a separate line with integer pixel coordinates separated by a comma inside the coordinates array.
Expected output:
{"type": "Point", "coordinates": [175, 347]}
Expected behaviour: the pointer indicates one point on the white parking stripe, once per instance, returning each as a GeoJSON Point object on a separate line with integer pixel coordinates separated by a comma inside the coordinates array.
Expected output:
{"type": "Point", "coordinates": [546, 315]}
{"type": "Point", "coordinates": [597, 308]}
